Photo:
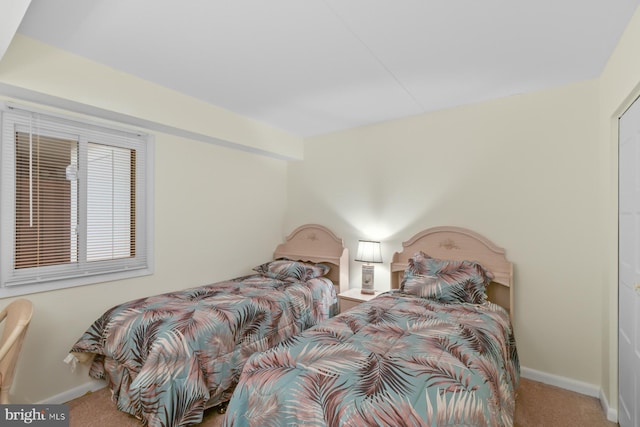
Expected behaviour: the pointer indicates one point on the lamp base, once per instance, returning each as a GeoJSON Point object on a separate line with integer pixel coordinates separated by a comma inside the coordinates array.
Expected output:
{"type": "Point", "coordinates": [367, 280]}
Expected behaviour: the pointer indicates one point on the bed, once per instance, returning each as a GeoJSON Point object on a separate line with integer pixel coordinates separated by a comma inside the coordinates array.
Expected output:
{"type": "Point", "coordinates": [166, 358]}
{"type": "Point", "coordinates": [432, 351]}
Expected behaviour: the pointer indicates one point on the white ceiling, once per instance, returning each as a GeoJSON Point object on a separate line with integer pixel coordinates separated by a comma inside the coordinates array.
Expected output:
{"type": "Point", "coordinates": [318, 66]}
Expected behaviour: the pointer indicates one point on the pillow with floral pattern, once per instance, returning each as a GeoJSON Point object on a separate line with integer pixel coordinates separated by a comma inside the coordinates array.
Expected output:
{"type": "Point", "coordinates": [292, 270]}
{"type": "Point", "coordinates": [446, 281]}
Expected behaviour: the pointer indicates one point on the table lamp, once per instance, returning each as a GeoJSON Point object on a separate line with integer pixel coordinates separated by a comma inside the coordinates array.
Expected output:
{"type": "Point", "coordinates": [368, 252]}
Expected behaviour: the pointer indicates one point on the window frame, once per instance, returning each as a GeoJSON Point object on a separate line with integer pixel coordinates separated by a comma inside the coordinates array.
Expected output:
{"type": "Point", "coordinates": [114, 269]}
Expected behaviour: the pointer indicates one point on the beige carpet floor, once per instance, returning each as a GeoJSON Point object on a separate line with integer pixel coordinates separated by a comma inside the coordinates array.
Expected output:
{"type": "Point", "coordinates": [537, 405]}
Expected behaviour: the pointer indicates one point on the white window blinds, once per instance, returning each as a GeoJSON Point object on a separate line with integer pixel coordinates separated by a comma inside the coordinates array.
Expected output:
{"type": "Point", "coordinates": [73, 199]}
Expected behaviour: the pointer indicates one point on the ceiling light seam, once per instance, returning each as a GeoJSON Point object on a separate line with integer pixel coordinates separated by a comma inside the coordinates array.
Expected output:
{"type": "Point", "coordinates": [382, 64]}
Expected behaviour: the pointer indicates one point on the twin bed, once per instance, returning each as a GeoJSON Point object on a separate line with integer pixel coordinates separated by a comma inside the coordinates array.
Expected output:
{"type": "Point", "coordinates": [166, 358]}
{"type": "Point", "coordinates": [431, 351]}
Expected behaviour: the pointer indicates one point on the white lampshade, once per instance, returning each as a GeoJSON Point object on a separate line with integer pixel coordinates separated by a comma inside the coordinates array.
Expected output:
{"type": "Point", "coordinates": [369, 251]}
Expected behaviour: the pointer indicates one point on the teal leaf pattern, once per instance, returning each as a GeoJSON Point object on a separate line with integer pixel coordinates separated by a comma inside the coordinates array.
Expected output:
{"type": "Point", "coordinates": [396, 360]}
{"type": "Point", "coordinates": [167, 357]}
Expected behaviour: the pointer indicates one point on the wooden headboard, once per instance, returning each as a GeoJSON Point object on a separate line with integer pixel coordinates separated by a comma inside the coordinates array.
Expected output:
{"type": "Point", "coordinates": [315, 243]}
{"type": "Point", "coordinates": [456, 243]}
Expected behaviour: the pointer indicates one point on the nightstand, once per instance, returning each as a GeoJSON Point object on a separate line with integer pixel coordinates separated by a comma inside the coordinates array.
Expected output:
{"type": "Point", "coordinates": [353, 297]}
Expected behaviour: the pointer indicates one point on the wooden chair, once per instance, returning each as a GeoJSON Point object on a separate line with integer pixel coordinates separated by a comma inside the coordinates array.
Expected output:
{"type": "Point", "coordinates": [16, 317]}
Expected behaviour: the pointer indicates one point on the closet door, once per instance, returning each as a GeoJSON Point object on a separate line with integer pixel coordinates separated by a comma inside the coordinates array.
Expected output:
{"type": "Point", "coordinates": [629, 268]}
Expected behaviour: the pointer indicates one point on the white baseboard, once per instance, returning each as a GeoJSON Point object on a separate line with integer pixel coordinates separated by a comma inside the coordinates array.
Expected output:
{"type": "Point", "coordinates": [572, 385]}
{"type": "Point", "coordinates": [612, 413]}
{"type": "Point", "coordinates": [74, 393]}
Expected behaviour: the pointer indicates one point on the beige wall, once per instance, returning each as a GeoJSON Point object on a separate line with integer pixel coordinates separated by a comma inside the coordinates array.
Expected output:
{"type": "Point", "coordinates": [520, 170]}
{"type": "Point", "coordinates": [619, 86]}
{"type": "Point", "coordinates": [218, 211]}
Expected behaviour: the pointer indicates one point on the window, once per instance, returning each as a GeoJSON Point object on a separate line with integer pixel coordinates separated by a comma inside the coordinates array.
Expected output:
{"type": "Point", "coordinates": [74, 207]}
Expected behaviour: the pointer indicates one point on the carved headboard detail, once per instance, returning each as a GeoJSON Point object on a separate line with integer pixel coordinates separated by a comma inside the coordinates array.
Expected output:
{"type": "Point", "coordinates": [456, 243]}
{"type": "Point", "coordinates": [316, 243]}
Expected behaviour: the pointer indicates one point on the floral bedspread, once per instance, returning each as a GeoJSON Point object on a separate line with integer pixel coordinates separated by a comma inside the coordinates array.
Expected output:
{"type": "Point", "coordinates": [397, 360]}
{"type": "Point", "coordinates": [168, 357]}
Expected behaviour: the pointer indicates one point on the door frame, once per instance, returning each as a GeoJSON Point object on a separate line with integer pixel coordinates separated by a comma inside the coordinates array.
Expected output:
{"type": "Point", "coordinates": [615, 298]}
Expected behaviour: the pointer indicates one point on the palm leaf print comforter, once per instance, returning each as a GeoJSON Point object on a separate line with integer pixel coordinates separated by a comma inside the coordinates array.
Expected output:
{"type": "Point", "coordinates": [169, 356]}
{"type": "Point", "coordinates": [397, 360]}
